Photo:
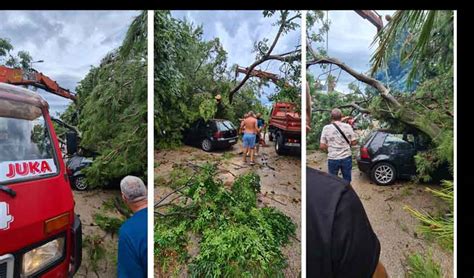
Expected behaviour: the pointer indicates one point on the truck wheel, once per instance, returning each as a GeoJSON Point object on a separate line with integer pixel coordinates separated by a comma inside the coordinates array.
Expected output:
{"type": "Point", "coordinates": [383, 173]}
{"type": "Point", "coordinates": [206, 145]}
{"type": "Point", "coordinates": [79, 183]}
{"type": "Point", "coordinates": [280, 144]}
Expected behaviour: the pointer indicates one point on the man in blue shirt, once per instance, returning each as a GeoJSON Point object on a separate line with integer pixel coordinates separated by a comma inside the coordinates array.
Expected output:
{"type": "Point", "coordinates": [132, 246]}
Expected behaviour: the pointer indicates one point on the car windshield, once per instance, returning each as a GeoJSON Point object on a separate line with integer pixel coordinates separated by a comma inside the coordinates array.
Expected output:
{"type": "Point", "coordinates": [225, 125]}
{"type": "Point", "coordinates": [26, 150]}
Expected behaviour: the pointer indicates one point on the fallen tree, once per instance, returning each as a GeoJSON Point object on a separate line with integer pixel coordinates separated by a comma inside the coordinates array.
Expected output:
{"type": "Point", "coordinates": [394, 108]}
{"type": "Point", "coordinates": [111, 111]}
{"type": "Point", "coordinates": [287, 22]}
{"type": "Point", "coordinates": [230, 235]}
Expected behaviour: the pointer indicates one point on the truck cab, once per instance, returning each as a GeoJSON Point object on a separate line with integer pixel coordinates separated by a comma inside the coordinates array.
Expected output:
{"type": "Point", "coordinates": [40, 235]}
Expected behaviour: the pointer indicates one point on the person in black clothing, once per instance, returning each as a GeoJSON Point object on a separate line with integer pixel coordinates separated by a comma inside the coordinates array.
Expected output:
{"type": "Point", "coordinates": [220, 109]}
{"type": "Point", "coordinates": [340, 239]}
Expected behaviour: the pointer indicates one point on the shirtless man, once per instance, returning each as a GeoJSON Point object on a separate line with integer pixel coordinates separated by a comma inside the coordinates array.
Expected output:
{"type": "Point", "coordinates": [241, 130]}
{"type": "Point", "coordinates": [249, 125]}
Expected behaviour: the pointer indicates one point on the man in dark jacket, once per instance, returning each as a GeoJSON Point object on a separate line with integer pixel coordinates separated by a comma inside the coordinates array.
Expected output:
{"type": "Point", "coordinates": [340, 240]}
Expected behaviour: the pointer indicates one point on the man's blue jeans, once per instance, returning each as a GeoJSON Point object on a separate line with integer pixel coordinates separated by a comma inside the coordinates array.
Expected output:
{"type": "Point", "coordinates": [345, 165]}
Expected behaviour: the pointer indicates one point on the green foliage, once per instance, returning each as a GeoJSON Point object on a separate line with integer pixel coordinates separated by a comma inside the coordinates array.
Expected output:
{"type": "Point", "coordinates": [236, 238]}
{"type": "Point", "coordinates": [107, 223]}
{"type": "Point", "coordinates": [178, 177]}
{"type": "Point", "coordinates": [96, 251]}
{"type": "Point", "coordinates": [111, 111]}
{"type": "Point", "coordinates": [323, 103]}
{"type": "Point", "coordinates": [420, 266]}
{"type": "Point", "coordinates": [186, 71]}
{"type": "Point", "coordinates": [5, 47]}
{"type": "Point", "coordinates": [426, 163]}
{"type": "Point", "coordinates": [438, 227]}
{"type": "Point", "coordinates": [22, 59]}
{"type": "Point", "coordinates": [236, 251]}
{"type": "Point", "coordinates": [428, 47]}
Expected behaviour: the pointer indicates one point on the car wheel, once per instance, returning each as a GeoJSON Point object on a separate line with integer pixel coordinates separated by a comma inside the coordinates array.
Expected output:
{"type": "Point", "coordinates": [206, 145]}
{"type": "Point", "coordinates": [383, 173]}
{"type": "Point", "coordinates": [280, 144]}
{"type": "Point", "coordinates": [79, 183]}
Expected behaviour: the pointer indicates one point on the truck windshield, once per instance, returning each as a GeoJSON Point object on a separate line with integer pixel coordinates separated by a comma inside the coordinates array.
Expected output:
{"type": "Point", "coordinates": [26, 150]}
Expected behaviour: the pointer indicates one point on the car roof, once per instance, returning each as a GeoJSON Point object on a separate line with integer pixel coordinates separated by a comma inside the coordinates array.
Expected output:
{"type": "Point", "coordinates": [388, 131]}
{"type": "Point", "coordinates": [20, 94]}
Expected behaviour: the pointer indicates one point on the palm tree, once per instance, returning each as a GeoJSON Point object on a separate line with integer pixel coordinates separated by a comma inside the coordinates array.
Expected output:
{"type": "Point", "coordinates": [429, 37]}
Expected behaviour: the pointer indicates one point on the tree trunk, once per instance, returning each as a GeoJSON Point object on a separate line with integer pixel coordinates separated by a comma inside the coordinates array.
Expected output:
{"type": "Point", "coordinates": [405, 115]}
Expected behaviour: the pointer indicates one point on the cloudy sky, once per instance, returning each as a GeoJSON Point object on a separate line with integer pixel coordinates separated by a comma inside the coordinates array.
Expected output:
{"type": "Point", "coordinates": [350, 39]}
{"type": "Point", "coordinates": [238, 31]}
{"type": "Point", "coordinates": [69, 42]}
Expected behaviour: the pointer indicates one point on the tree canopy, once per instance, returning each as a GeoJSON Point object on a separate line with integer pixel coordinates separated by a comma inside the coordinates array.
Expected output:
{"type": "Point", "coordinates": [111, 110]}
{"type": "Point", "coordinates": [22, 59]}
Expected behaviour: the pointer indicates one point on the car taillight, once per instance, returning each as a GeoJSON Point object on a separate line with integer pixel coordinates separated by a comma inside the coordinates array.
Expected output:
{"type": "Point", "coordinates": [69, 171]}
{"type": "Point", "coordinates": [364, 153]}
{"type": "Point", "coordinates": [218, 134]}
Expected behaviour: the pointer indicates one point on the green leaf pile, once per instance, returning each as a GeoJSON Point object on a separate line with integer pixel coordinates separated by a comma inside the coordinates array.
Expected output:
{"type": "Point", "coordinates": [235, 237]}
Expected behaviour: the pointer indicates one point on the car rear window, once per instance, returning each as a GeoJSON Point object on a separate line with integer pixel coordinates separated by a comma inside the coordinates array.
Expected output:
{"type": "Point", "coordinates": [225, 125]}
{"type": "Point", "coordinates": [397, 140]}
{"type": "Point", "coordinates": [368, 137]}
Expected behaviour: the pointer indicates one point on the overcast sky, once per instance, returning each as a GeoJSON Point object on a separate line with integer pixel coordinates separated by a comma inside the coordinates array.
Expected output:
{"type": "Point", "coordinates": [69, 42]}
{"type": "Point", "coordinates": [238, 31]}
{"type": "Point", "coordinates": [350, 39]}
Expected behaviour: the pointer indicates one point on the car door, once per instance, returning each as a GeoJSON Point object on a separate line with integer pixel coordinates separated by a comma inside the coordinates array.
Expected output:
{"type": "Point", "coordinates": [192, 135]}
{"type": "Point", "coordinates": [401, 154]}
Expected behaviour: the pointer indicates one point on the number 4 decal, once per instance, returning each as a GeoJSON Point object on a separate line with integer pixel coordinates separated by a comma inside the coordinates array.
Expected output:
{"type": "Point", "coordinates": [5, 218]}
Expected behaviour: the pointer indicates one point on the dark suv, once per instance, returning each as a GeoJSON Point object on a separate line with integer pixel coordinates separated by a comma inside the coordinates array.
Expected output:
{"type": "Point", "coordinates": [212, 134]}
{"type": "Point", "coordinates": [387, 156]}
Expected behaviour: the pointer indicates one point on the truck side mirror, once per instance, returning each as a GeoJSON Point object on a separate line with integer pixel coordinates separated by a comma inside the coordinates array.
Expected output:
{"type": "Point", "coordinates": [71, 142]}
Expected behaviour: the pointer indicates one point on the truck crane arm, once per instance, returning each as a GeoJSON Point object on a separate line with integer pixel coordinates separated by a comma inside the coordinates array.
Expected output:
{"type": "Point", "coordinates": [372, 17]}
{"type": "Point", "coordinates": [34, 78]}
{"type": "Point", "coordinates": [260, 74]}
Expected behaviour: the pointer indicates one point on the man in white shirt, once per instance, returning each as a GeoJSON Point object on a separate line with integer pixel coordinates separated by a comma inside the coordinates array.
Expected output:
{"type": "Point", "coordinates": [337, 139]}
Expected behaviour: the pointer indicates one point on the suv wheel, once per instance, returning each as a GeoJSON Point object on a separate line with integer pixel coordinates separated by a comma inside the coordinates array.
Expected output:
{"type": "Point", "coordinates": [383, 173]}
{"type": "Point", "coordinates": [79, 183]}
{"type": "Point", "coordinates": [206, 145]}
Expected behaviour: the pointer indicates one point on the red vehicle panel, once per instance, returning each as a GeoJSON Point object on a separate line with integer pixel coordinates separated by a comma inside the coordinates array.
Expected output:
{"type": "Point", "coordinates": [40, 212]}
{"type": "Point", "coordinates": [285, 117]}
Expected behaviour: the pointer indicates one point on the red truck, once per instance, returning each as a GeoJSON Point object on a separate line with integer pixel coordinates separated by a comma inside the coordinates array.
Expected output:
{"type": "Point", "coordinates": [40, 235]}
{"type": "Point", "coordinates": [284, 127]}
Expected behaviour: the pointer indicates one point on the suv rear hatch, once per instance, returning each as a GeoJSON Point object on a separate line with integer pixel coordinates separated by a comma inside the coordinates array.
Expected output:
{"type": "Point", "coordinates": [226, 129]}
